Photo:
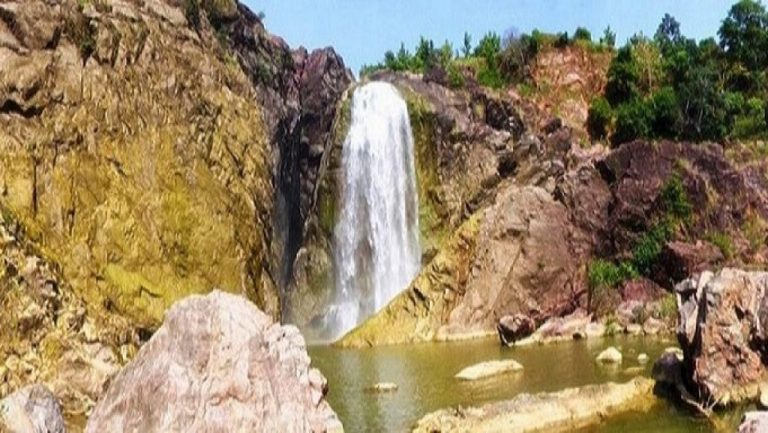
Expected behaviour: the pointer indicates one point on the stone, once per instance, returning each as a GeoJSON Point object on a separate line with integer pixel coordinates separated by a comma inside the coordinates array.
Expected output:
{"type": "Point", "coordinates": [221, 353]}
{"type": "Point", "coordinates": [384, 387]}
{"type": "Point", "coordinates": [488, 369]}
{"type": "Point", "coordinates": [678, 352]}
{"type": "Point", "coordinates": [33, 409]}
{"type": "Point", "coordinates": [610, 355]}
{"type": "Point", "coordinates": [563, 328]}
{"type": "Point", "coordinates": [634, 329]}
{"type": "Point", "coordinates": [668, 369]}
{"type": "Point", "coordinates": [653, 326]}
{"type": "Point", "coordinates": [565, 410]}
{"type": "Point", "coordinates": [754, 422]}
{"type": "Point", "coordinates": [515, 327]}
{"type": "Point", "coordinates": [763, 399]}
{"type": "Point", "coordinates": [722, 332]}
{"type": "Point", "coordinates": [642, 358]}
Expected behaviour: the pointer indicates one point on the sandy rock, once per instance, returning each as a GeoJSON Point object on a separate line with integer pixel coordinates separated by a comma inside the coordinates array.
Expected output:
{"type": "Point", "coordinates": [558, 411]}
{"type": "Point", "coordinates": [219, 352]}
{"type": "Point", "coordinates": [33, 409]}
{"type": "Point", "coordinates": [610, 355]}
{"type": "Point", "coordinates": [487, 369]}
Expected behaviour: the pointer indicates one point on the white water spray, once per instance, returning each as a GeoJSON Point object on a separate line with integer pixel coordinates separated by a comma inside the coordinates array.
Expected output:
{"type": "Point", "coordinates": [377, 251]}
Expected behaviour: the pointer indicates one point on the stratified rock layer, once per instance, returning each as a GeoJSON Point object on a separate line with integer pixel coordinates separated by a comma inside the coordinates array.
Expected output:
{"type": "Point", "coordinates": [217, 364]}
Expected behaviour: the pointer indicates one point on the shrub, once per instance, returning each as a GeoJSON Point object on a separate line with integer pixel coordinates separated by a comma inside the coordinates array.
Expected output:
{"type": "Point", "coordinates": [582, 34]}
{"type": "Point", "coordinates": [752, 121]}
{"type": "Point", "coordinates": [667, 117]}
{"type": "Point", "coordinates": [633, 121]}
{"type": "Point", "coordinates": [675, 199]}
{"type": "Point", "coordinates": [623, 77]}
{"type": "Point", "coordinates": [605, 274]}
{"type": "Point", "coordinates": [455, 75]}
{"type": "Point", "coordinates": [562, 40]}
{"type": "Point", "coordinates": [723, 242]}
{"type": "Point", "coordinates": [599, 118]}
{"type": "Point", "coordinates": [649, 247]}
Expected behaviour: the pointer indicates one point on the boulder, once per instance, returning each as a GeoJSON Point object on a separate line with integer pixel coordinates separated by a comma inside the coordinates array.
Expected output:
{"type": "Point", "coordinates": [514, 327]}
{"type": "Point", "coordinates": [642, 358]}
{"type": "Point", "coordinates": [754, 422]}
{"type": "Point", "coordinates": [565, 410]}
{"type": "Point", "coordinates": [33, 409]}
{"type": "Point", "coordinates": [610, 355]}
{"type": "Point", "coordinates": [487, 369]}
{"type": "Point", "coordinates": [634, 329]}
{"type": "Point", "coordinates": [721, 330]}
{"type": "Point", "coordinates": [653, 326]}
{"type": "Point", "coordinates": [217, 364]}
{"type": "Point", "coordinates": [563, 328]}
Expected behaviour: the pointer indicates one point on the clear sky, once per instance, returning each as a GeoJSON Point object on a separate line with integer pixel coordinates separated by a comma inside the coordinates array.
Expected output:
{"type": "Point", "coordinates": [362, 30]}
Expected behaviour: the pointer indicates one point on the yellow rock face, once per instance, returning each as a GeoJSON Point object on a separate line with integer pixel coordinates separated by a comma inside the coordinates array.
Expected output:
{"type": "Point", "coordinates": [143, 169]}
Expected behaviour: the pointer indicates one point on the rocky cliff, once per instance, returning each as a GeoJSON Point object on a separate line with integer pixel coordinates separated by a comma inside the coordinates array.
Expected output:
{"type": "Point", "coordinates": [148, 150]}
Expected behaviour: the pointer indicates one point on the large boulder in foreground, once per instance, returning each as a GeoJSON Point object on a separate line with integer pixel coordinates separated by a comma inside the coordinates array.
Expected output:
{"type": "Point", "coordinates": [33, 409]}
{"type": "Point", "coordinates": [218, 364]}
{"type": "Point", "coordinates": [565, 410]}
{"type": "Point", "coordinates": [722, 331]}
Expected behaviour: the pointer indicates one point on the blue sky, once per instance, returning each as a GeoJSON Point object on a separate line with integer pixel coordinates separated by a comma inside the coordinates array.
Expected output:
{"type": "Point", "coordinates": [362, 30]}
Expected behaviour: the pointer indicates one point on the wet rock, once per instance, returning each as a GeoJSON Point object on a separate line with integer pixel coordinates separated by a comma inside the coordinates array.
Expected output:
{"type": "Point", "coordinates": [33, 409]}
{"type": "Point", "coordinates": [721, 330]}
{"type": "Point", "coordinates": [634, 329]}
{"type": "Point", "coordinates": [558, 411]}
{"type": "Point", "coordinates": [762, 401]}
{"type": "Point", "coordinates": [754, 422]}
{"type": "Point", "coordinates": [610, 355]}
{"type": "Point", "coordinates": [488, 369]}
{"type": "Point", "coordinates": [513, 328]}
{"type": "Point", "coordinates": [220, 352]}
{"type": "Point", "coordinates": [668, 370]}
{"type": "Point", "coordinates": [569, 327]}
{"type": "Point", "coordinates": [653, 326]}
{"type": "Point", "coordinates": [642, 358]}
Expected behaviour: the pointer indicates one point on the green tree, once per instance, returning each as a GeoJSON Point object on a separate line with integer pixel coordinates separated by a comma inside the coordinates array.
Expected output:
{"type": "Point", "coordinates": [599, 118]}
{"type": "Point", "coordinates": [667, 117]}
{"type": "Point", "coordinates": [668, 33]}
{"type": "Point", "coordinates": [466, 49]}
{"type": "Point", "coordinates": [609, 37]}
{"type": "Point", "coordinates": [633, 121]}
{"type": "Point", "coordinates": [425, 56]}
{"type": "Point", "coordinates": [744, 34]}
{"type": "Point", "coordinates": [489, 47]}
{"type": "Point", "coordinates": [623, 77]}
{"type": "Point", "coordinates": [582, 34]}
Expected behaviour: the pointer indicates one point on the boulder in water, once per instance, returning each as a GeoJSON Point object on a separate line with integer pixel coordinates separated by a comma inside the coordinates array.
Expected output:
{"type": "Point", "coordinates": [217, 364]}
{"type": "Point", "coordinates": [642, 358]}
{"type": "Point", "coordinates": [488, 369]}
{"type": "Point", "coordinates": [512, 328]}
{"type": "Point", "coordinates": [610, 355]}
{"type": "Point", "coordinates": [33, 409]}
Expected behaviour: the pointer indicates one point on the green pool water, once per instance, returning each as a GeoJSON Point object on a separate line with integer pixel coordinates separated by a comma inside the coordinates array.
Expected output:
{"type": "Point", "coordinates": [425, 373]}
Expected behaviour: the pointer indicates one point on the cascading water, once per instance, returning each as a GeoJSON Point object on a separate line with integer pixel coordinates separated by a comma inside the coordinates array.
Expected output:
{"type": "Point", "coordinates": [376, 243]}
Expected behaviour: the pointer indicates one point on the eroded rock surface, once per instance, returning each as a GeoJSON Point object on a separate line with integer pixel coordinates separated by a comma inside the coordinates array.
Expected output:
{"type": "Point", "coordinates": [722, 332]}
{"type": "Point", "coordinates": [218, 364]}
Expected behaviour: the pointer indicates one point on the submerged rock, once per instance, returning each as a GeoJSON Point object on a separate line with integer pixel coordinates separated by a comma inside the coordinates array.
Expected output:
{"type": "Point", "coordinates": [487, 369]}
{"type": "Point", "coordinates": [217, 364]}
{"type": "Point", "coordinates": [384, 387]}
{"type": "Point", "coordinates": [610, 355]}
{"type": "Point", "coordinates": [722, 332]}
{"type": "Point", "coordinates": [552, 412]}
{"type": "Point", "coordinates": [33, 409]}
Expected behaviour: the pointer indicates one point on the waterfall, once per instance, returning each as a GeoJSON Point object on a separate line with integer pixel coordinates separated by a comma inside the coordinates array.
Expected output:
{"type": "Point", "coordinates": [376, 239]}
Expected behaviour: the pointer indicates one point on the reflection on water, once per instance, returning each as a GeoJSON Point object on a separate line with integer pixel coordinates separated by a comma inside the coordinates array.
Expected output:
{"type": "Point", "coordinates": [424, 374]}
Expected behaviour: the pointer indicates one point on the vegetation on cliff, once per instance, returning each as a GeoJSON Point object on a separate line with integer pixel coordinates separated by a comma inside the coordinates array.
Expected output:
{"type": "Point", "coordinates": [670, 86]}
